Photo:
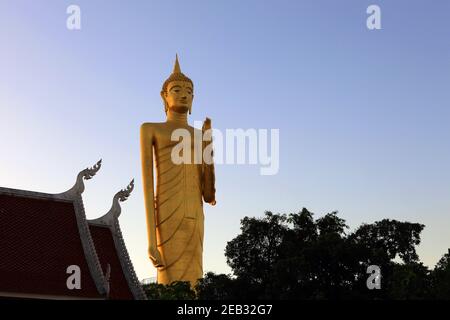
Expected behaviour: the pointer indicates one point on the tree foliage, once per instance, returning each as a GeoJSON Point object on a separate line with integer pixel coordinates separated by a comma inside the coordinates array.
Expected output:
{"type": "Point", "coordinates": [295, 256]}
{"type": "Point", "coordinates": [180, 290]}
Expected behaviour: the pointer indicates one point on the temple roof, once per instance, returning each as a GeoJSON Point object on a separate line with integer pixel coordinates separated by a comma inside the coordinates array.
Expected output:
{"type": "Point", "coordinates": [112, 251]}
{"type": "Point", "coordinates": [42, 234]}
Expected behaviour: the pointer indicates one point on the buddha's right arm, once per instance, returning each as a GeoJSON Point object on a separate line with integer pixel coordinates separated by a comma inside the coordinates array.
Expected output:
{"type": "Point", "coordinates": [147, 139]}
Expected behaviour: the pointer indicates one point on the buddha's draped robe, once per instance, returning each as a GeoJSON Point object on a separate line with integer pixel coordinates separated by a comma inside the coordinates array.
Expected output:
{"type": "Point", "coordinates": [179, 216]}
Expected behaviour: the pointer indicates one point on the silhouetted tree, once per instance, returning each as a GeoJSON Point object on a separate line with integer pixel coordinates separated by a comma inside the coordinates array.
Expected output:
{"type": "Point", "coordinates": [383, 242]}
{"type": "Point", "coordinates": [215, 287]}
{"type": "Point", "coordinates": [387, 239]}
{"type": "Point", "coordinates": [224, 287]}
{"type": "Point", "coordinates": [253, 254]}
{"type": "Point", "coordinates": [440, 278]}
{"type": "Point", "coordinates": [180, 290]}
{"type": "Point", "coordinates": [297, 257]}
{"type": "Point", "coordinates": [409, 281]}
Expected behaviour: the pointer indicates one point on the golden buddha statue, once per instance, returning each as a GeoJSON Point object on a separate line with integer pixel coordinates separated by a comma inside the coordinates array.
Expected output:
{"type": "Point", "coordinates": [175, 214]}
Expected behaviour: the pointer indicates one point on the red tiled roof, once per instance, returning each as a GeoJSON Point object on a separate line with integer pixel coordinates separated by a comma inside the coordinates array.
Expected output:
{"type": "Point", "coordinates": [39, 239]}
{"type": "Point", "coordinates": [107, 254]}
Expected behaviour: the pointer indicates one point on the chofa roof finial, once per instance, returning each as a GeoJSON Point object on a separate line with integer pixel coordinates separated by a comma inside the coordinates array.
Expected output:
{"type": "Point", "coordinates": [114, 212]}
{"type": "Point", "coordinates": [86, 174]}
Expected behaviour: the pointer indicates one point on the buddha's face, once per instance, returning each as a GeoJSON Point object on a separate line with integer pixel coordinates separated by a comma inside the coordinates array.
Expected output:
{"type": "Point", "coordinates": [179, 96]}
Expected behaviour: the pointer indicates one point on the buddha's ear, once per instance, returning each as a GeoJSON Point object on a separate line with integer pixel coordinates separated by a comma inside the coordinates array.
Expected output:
{"type": "Point", "coordinates": [190, 108]}
{"type": "Point", "coordinates": [163, 97]}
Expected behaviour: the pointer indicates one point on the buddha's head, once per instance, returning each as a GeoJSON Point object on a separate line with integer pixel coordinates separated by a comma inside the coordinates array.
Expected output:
{"type": "Point", "coordinates": [177, 91]}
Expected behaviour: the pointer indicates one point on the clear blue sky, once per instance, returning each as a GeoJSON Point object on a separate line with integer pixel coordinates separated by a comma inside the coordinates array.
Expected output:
{"type": "Point", "coordinates": [363, 115]}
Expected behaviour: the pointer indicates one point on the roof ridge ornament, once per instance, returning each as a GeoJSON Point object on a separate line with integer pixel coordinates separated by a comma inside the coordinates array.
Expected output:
{"type": "Point", "coordinates": [78, 187]}
{"type": "Point", "coordinates": [114, 213]}
{"type": "Point", "coordinates": [120, 196]}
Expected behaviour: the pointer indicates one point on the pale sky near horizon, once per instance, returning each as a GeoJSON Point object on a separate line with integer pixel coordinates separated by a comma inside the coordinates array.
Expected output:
{"type": "Point", "coordinates": [363, 115]}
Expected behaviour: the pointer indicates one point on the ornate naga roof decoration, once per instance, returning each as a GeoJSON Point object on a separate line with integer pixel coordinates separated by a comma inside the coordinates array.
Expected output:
{"type": "Point", "coordinates": [114, 213]}
{"type": "Point", "coordinates": [78, 187]}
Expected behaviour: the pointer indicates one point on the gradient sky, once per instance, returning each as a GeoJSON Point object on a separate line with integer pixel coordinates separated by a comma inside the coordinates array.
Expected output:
{"type": "Point", "coordinates": [363, 115]}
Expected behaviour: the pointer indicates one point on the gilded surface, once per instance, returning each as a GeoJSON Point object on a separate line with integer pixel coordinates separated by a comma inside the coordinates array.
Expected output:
{"type": "Point", "coordinates": [174, 204]}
